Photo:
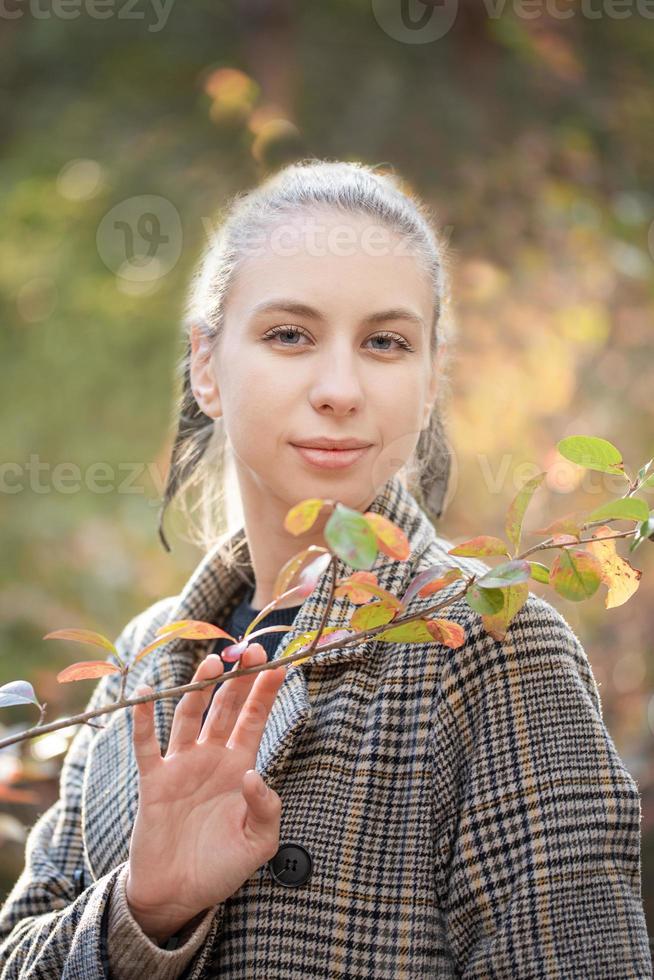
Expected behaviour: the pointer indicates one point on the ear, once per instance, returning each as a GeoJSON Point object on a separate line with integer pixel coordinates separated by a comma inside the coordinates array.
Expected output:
{"type": "Point", "coordinates": [203, 379]}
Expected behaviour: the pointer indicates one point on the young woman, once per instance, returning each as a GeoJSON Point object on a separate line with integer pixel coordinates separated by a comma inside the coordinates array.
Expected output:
{"type": "Point", "coordinates": [426, 811]}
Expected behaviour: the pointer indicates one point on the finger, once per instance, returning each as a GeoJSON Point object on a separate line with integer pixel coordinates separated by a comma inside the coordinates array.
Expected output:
{"type": "Point", "coordinates": [187, 719]}
{"type": "Point", "coordinates": [144, 739]}
{"type": "Point", "coordinates": [230, 697]}
{"type": "Point", "coordinates": [248, 729]}
{"type": "Point", "coordinates": [262, 817]}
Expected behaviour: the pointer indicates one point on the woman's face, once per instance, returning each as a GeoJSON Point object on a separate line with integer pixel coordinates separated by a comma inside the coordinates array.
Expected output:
{"type": "Point", "coordinates": [352, 309]}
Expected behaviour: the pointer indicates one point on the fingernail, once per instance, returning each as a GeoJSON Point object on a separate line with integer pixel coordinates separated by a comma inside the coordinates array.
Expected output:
{"type": "Point", "coordinates": [262, 788]}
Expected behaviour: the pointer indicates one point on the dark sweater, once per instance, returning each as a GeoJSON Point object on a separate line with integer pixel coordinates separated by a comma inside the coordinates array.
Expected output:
{"type": "Point", "coordinates": [238, 623]}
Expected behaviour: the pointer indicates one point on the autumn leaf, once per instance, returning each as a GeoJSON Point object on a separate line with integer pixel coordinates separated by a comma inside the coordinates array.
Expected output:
{"type": "Point", "coordinates": [497, 624]}
{"type": "Point", "coordinates": [358, 587]}
{"type": "Point", "coordinates": [329, 635]}
{"type": "Point", "coordinates": [508, 573]}
{"type": "Point", "coordinates": [372, 615]}
{"type": "Point", "coordinates": [85, 636]}
{"type": "Point", "coordinates": [194, 629]}
{"type": "Point", "coordinates": [540, 572]}
{"type": "Point", "coordinates": [168, 635]}
{"type": "Point", "coordinates": [568, 524]}
{"type": "Point", "coordinates": [484, 544]}
{"type": "Point", "coordinates": [575, 574]}
{"type": "Point", "coordinates": [302, 517]}
{"type": "Point", "coordinates": [431, 580]}
{"type": "Point", "coordinates": [85, 670]}
{"type": "Point", "coordinates": [417, 631]}
{"type": "Point", "coordinates": [391, 539]}
{"type": "Point", "coordinates": [446, 631]}
{"type": "Point", "coordinates": [350, 536]}
{"type": "Point", "coordinates": [366, 587]}
{"type": "Point", "coordinates": [290, 568]}
{"type": "Point", "coordinates": [618, 574]}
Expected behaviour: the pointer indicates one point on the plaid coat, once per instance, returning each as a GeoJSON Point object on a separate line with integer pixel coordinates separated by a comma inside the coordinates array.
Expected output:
{"type": "Point", "coordinates": [466, 811]}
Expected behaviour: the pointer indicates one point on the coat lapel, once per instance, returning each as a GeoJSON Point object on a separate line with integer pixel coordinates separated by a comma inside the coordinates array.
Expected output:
{"type": "Point", "coordinates": [213, 590]}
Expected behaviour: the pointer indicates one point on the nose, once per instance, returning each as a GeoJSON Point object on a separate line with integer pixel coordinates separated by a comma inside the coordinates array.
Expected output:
{"type": "Point", "coordinates": [337, 383]}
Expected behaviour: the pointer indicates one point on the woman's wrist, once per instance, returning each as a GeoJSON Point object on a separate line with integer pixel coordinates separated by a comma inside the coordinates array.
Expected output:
{"type": "Point", "coordinates": [161, 924]}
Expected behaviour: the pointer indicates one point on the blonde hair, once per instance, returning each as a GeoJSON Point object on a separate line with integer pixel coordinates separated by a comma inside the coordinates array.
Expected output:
{"type": "Point", "coordinates": [198, 457]}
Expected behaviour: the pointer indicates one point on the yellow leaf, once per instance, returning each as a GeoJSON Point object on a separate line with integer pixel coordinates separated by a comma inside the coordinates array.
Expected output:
{"type": "Point", "coordinates": [302, 517]}
{"type": "Point", "coordinates": [391, 539]}
{"type": "Point", "coordinates": [618, 574]}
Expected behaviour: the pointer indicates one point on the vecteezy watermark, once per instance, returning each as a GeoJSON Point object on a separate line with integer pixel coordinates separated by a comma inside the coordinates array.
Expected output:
{"type": "Point", "coordinates": [309, 234]}
{"type": "Point", "coordinates": [424, 21]}
{"type": "Point", "coordinates": [155, 15]}
{"type": "Point", "coordinates": [42, 477]}
{"type": "Point", "coordinates": [140, 239]}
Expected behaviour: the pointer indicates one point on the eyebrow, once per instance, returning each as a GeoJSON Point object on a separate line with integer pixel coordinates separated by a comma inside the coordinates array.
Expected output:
{"type": "Point", "coordinates": [301, 309]}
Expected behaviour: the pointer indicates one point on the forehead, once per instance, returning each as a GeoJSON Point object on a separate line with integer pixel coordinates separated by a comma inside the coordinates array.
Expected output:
{"type": "Point", "coordinates": [331, 259]}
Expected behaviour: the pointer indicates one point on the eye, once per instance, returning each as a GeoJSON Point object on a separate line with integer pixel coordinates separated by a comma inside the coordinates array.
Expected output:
{"type": "Point", "coordinates": [283, 329]}
{"type": "Point", "coordinates": [384, 335]}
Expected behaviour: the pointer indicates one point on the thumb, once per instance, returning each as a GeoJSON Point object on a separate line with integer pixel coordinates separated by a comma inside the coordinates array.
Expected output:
{"type": "Point", "coordinates": [264, 805]}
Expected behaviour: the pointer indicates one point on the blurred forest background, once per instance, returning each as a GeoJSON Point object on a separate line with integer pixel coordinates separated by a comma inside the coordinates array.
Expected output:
{"type": "Point", "coordinates": [124, 129]}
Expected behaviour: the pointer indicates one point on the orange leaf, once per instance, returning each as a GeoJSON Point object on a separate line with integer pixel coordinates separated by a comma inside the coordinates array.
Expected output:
{"type": "Point", "coordinates": [86, 669]}
{"type": "Point", "coordinates": [348, 587]}
{"type": "Point", "coordinates": [368, 586]}
{"type": "Point", "coordinates": [448, 632]}
{"type": "Point", "coordinates": [436, 584]}
{"type": "Point", "coordinates": [168, 636]}
{"type": "Point", "coordinates": [391, 539]}
{"type": "Point", "coordinates": [194, 629]}
{"type": "Point", "coordinates": [618, 574]}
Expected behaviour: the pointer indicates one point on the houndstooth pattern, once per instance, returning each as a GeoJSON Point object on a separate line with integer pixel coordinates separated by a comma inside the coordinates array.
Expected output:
{"type": "Point", "coordinates": [467, 812]}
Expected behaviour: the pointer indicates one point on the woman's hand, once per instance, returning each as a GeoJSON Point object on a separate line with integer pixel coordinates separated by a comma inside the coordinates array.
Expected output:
{"type": "Point", "coordinates": [202, 827]}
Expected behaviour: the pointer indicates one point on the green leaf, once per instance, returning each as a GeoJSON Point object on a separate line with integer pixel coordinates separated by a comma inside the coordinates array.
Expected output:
{"type": "Point", "coordinates": [649, 482]}
{"type": "Point", "coordinates": [372, 614]}
{"type": "Point", "coordinates": [644, 470]}
{"type": "Point", "coordinates": [416, 631]}
{"type": "Point", "coordinates": [643, 532]}
{"type": "Point", "coordinates": [625, 508]}
{"type": "Point", "coordinates": [514, 599]}
{"type": "Point", "coordinates": [575, 574]}
{"type": "Point", "coordinates": [593, 453]}
{"type": "Point", "coordinates": [540, 572]}
{"type": "Point", "coordinates": [485, 601]}
{"type": "Point", "coordinates": [508, 573]}
{"type": "Point", "coordinates": [17, 692]}
{"type": "Point", "coordinates": [518, 506]}
{"type": "Point", "coordinates": [350, 536]}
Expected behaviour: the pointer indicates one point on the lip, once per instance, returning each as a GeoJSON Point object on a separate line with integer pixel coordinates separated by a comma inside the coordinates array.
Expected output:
{"type": "Point", "coordinates": [331, 459]}
{"type": "Point", "coordinates": [323, 442]}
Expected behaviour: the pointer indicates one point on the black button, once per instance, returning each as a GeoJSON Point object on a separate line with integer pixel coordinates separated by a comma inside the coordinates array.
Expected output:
{"type": "Point", "coordinates": [291, 865]}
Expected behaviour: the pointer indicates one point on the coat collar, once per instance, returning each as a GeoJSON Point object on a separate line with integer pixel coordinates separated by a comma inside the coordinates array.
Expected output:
{"type": "Point", "coordinates": [210, 594]}
{"type": "Point", "coordinates": [214, 589]}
